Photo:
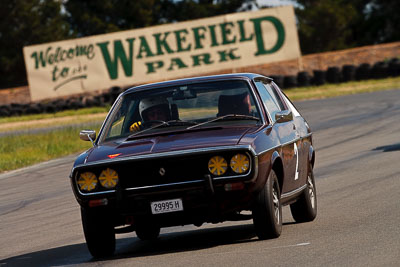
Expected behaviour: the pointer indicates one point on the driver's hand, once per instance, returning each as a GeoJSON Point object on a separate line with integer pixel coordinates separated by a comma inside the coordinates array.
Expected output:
{"type": "Point", "coordinates": [135, 126]}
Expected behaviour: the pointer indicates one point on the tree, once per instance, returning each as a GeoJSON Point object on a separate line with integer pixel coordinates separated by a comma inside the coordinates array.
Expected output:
{"type": "Point", "coordinates": [98, 17]}
{"type": "Point", "coordinates": [324, 25]}
{"type": "Point", "coordinates": [189, 9]}
{"type": "Point", "coordinates": [338, 24]}
{"type": "Point", "coordinates": [26, 23]}
{"type": "Point", "coordinates": [380, 22]}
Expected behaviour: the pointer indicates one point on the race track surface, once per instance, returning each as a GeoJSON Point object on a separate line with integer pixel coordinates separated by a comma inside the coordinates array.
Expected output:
{"type": "Point", "coordinates": [357, 140]}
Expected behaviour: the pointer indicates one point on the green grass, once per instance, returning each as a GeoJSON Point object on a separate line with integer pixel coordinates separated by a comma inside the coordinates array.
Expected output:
{"type": "Point", "coordinates": [66, 113]}
{"type": "Point", "coordinates": [332, 90]}
{"type": "Point", "coordinates": [18, 151]}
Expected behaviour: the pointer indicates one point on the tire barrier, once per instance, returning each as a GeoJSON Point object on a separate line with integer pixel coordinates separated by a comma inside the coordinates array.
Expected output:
{"type": "Point", "coordinates": [333, 75]}
{"type": "Point", "coordinates": [36, 108]}
{"type": "Point", "coordinates": [303, 79]}
{"type": "Point", "coordinates": [5, 111]}
{"type": "Point", "coordinates": [319, 77]}
{"type": "Point", "coordinates": [289, 81]}
{"type": "Point", "coordinates": [278, 79]}
{"type": "Point", "coordinates": [394, 67]}
{"type": "Point", "coordinates": [114, 93]}
{"type": "Point", "coordinates": [348, 73]}
{"type": "Point", "coordinates": [380, 70]}
{"type": "Point", "coordinates": [363, 72]}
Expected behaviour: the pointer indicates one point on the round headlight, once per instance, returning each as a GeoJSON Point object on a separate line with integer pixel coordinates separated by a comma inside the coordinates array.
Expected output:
{"type": "Point", "coordinates": [240, 163]}
{"type": "Point", "coordinates": [217, 165]}
{"type": "Point", "coordinates": [108, 178]}
{"type": "Point", "coordinates": [87, 181]}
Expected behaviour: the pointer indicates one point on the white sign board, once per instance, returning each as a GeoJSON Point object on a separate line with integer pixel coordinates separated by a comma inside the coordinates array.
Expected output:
{"type": "Point", "coordinates": [162, 52]}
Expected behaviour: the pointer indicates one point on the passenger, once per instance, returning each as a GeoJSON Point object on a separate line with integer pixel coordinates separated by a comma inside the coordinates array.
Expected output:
{"type": "Point", "coordinates": [234, 104]}
{"type": "Point", "coordinates": [152, 109]}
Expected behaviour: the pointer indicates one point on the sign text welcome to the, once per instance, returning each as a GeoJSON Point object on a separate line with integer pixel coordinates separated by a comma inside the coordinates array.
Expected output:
{"type": "Point", "coordinates": [161, 52]}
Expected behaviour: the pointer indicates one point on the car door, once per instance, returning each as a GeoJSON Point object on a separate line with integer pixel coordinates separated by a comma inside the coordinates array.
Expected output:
{"type": "Point", "coordinates": [304, 142]}
{"type": "Point", "coordinates": [285, 129]}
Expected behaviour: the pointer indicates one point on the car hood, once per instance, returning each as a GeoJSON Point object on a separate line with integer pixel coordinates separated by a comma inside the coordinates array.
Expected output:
{"type": "Point", "coordinates": [167, 143]}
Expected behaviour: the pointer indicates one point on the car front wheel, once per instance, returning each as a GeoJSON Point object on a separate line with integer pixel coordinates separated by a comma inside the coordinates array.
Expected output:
{"type": "Point", "coordinates": [267, 210]}
{"type": "Point", "coordinates": [305, 208]}
{"type": "Point", "coordinates": [99, 233]}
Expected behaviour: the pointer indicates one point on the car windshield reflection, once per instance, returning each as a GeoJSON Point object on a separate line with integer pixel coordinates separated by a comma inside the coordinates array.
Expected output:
{"type": "Point", "coordinates": [182, 107]}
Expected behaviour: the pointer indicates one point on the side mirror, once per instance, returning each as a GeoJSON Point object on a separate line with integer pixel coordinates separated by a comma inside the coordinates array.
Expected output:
{"type": "Point", "coordinates": [88, 135]}
{"type": "Point", "coordinates": [283, 116]}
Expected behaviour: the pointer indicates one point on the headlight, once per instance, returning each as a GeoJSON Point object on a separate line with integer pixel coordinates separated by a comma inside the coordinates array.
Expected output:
{"type": "Point", "coordinates": [108, 178]}
{"type": "Point", "coordinates": [217, 165]}
{"type": "Point", "coordinates": [240, 163]}
{"type": "Point", "coordinates": [87, 181]}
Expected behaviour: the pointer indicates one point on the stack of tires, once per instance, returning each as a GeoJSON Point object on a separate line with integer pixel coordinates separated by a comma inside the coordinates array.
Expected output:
{"type": "Point", "coordinates": [103, 99]}
{"type": "Point", "coordinates": [347, 73]}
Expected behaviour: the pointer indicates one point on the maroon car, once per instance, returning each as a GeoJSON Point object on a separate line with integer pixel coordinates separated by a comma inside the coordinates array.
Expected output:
{"type": "Point", "coordinates": [190, 151]}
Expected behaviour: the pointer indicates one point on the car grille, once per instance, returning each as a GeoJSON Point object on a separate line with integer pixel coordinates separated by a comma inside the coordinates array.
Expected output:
{"type": "Point", "coordinates": [143, 173]}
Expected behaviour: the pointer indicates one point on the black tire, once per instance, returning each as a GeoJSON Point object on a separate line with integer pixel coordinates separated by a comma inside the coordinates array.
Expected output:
{"type": "Point", "coordinates": [267, 210]}
{"type": "Point", "coordinates": [305, 208]}
{"type": "Point", "coordinates": [348, 73]}
{"type": "Point", "coordinates": [147, 231]}
{"type": "Point", "coordinates": [99, 233]}
{"type": "Point", "coordinates": [319, 77]}
{"type": "Point", "coordinates": [278, 79]}
{"type": "Point", "coordinates": [333, 75]}
{"type": "Point", "coordinates": [363, 72]}
{"type": "Point", "coordinates": [303, 78]}
{"type": "Point", "coordinates": [289, 81]}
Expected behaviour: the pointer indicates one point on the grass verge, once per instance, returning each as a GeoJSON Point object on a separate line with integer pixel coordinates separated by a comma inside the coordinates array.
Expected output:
{"type": "Point", "coordinates": [67, 113]}
{"type": "Point", "coordinates": [349, 88]}
{"type": "Point", "coordinates": [27, 149]}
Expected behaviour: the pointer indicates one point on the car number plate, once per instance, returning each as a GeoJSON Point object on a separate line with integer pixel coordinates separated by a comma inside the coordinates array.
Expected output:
{"type": "Point", "coordinates": [166, 206]}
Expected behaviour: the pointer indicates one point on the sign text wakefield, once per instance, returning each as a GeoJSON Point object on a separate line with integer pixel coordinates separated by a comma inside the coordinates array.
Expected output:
{"type": "Point", "coordinates": [162, 52]}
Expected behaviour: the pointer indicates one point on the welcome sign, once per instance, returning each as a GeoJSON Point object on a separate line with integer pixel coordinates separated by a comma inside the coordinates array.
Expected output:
{"type": "Point", "coordinates": [161, 52]}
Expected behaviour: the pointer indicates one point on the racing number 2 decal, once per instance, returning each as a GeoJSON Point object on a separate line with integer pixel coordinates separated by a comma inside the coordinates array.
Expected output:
{"type": "Point", "coordinates": [296, 152]}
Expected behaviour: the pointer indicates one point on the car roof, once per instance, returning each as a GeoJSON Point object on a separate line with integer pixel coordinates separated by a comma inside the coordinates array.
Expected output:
{"type": "Point", "coordinates": [247, 76]}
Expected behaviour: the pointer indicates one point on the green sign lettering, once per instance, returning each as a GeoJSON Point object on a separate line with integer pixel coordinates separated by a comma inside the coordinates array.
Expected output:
{"type": "Point", "coordinates": [180, 36]}
{"type": "Point", "coordinates": [177, 62]}
{"type": "Point", "coordinates": [226, 30]}
{"type": "Point", "coordinates": [205, 58]}
{"type": "Point", "coordinates": [259, 37]}
{"type": "Point", "coordinates": [198, 36]}
{"type": "Point", "coordinates": [152, 66]}
{"type": "Point", "coordinates": [119, 55]}
{"type": "Point", "coordinates": [243, 37]}
{"type": "Point", "coordinates": [162, 42]}
{"type": "Point", "coordinates": [225, 54]}
{"type": "Point", "coordinates": [144, 47]}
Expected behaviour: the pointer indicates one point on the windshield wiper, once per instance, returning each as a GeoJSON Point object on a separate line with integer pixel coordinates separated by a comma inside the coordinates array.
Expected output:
{"type": "Point", "coordinates": [163, 123]}
{"type": "Point", "coordinates": [227, 117]}
{"type": "Point", "coordinates": [148, 129]}
{"type": "Point", "coordinates": [180, 123]}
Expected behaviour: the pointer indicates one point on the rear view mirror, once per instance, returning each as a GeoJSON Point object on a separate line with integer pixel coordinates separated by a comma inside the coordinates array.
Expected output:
{"type": "Point", "coordinates": [184, 93]}
{"type": "Point", "coordinates": [283, 116]}
{"type": "Point", "coordinates": [88, 135]}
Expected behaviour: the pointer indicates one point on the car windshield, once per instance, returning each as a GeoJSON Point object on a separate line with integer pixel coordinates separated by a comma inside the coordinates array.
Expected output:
{"type": "Point", "coordinates": [183, 107]}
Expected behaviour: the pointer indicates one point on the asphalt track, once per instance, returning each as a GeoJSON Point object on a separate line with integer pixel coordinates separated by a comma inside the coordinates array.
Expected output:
{"type": "Point", "coordinates": [357, 139]}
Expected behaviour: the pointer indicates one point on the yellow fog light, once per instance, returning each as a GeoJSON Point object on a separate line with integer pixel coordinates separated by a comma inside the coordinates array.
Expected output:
{"type": "Point", "coordinates": [108, 178]}
{"type": "Point", "coordinates": [217, 165]}
{"type": "Point", "coordinates": [240, 163]}
{"type": "Point", "coordinates": [87, 181]}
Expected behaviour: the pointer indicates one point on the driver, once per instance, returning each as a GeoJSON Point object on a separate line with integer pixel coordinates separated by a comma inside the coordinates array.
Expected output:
{"type": "Point", "coordinates": [152, 109]}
